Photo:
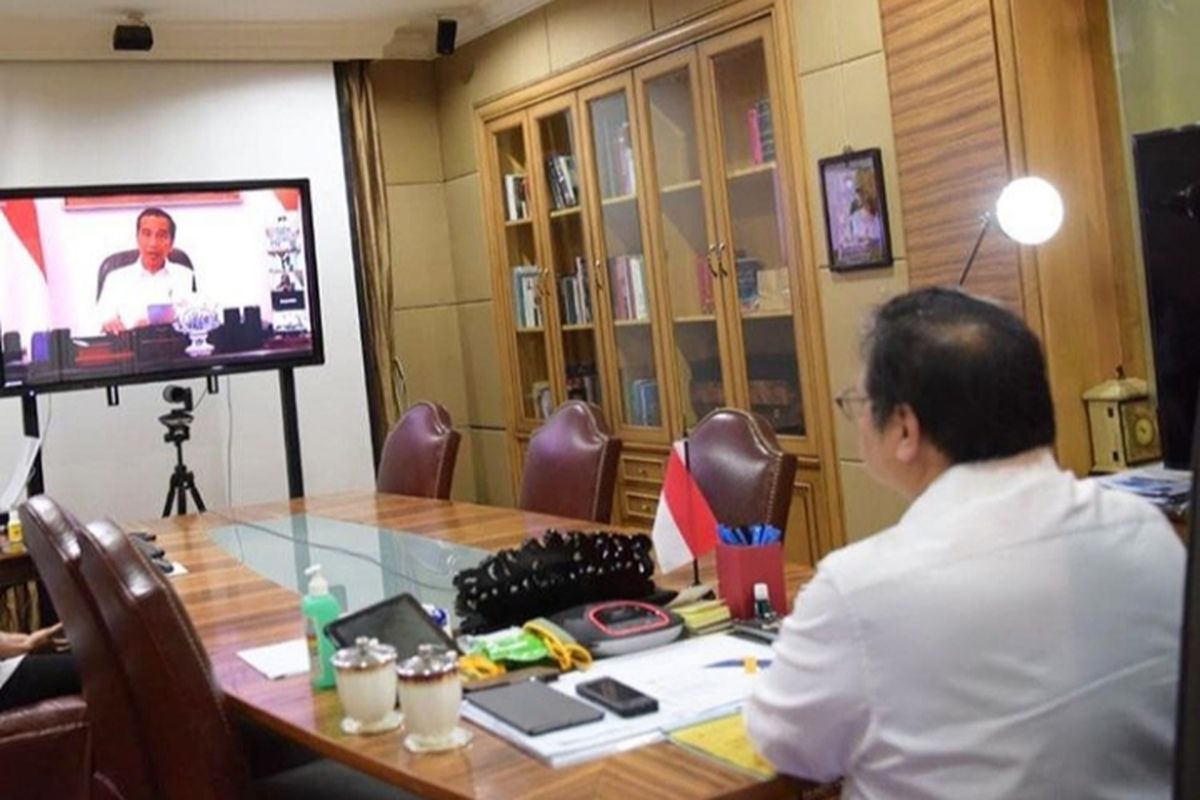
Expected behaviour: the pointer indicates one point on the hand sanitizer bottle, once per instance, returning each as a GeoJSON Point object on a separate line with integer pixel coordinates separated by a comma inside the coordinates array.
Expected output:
{"type": "Point", "coordinates": [319, 608]}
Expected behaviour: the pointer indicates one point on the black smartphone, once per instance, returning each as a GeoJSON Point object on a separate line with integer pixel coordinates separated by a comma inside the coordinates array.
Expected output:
{"type": "Point", "coordinates": [622, 700]}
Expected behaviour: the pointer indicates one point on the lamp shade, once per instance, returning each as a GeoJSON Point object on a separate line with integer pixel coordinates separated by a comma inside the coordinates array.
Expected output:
{"type": "Point", "coordinates": [1030, 210]}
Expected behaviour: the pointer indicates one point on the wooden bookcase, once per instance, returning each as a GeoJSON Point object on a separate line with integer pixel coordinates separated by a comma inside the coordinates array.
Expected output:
{"type": "Point", "coordinates": [649, 253]}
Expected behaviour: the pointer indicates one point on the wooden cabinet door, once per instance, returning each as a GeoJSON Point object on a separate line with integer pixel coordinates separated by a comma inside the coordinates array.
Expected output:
{"type": "Point", "coordinates": [519, 279]}
{"type": "Point", "coordinates": [565, 243]}
{"type": "Point", "coordinates": [622, 269]}
{"type": "Point", "coordinates": [681, 218]}
{"type": "Point", "coordinates": [757, 250]}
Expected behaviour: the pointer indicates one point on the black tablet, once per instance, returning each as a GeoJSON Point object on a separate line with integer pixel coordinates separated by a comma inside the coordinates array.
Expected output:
{"type": "Point", "coordinates": [399, 621]}
{"type": "Point", "coordinates": [534, 708]}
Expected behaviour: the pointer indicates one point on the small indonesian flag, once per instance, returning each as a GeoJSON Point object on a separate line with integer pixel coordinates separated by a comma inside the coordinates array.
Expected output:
{"type": "Point", "coordinates": [684, 525]}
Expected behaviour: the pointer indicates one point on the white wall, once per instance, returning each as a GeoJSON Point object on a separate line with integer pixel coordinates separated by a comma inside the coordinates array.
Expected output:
{"type": "Point", "coordinates": [101, 123]}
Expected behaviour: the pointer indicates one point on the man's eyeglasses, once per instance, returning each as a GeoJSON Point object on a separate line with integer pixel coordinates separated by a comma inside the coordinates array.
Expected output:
{"type": "Point", "coordinates": [849, 401]}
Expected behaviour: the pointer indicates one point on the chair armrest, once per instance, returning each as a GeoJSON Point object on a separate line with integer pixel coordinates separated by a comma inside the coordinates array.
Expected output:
{"type": "Point", "coordinates": [45, 750]}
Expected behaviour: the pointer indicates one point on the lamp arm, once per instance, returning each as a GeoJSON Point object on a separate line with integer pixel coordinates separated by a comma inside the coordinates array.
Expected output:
{"type": "Point", "coordinates": [986, 220]}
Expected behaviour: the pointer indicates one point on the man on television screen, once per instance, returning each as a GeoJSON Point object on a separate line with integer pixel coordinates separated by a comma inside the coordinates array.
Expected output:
{"type": "Point", "coordinates": [142, 289]}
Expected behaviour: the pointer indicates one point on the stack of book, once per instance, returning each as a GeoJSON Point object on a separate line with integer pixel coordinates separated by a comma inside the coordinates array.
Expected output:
{"type": "Point", "coordinates": [516, 202]}
{"type": "Point", "coordinates": [583, 383]}
{"type": "Point", "coordinates": [704, 616]}
{"type": "Point", "coordinates": [627, 274]}
{"type": "Point", "coordinates": [564, 183]}
{"type": "Point", "coordinates": [527, 302]}
{"type": "Point", "coordinates": [762, 132]}
{"type": "Point", "coordinates": [642, 401]}
{"type": "Point", "coordinates": [614, 152]}
{"type": "Point", "coordinates": [575, 295]}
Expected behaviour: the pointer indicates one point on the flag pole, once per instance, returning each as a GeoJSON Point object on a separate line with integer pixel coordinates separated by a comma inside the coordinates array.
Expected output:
{"type": "Point", "coordinates": [687, 467]}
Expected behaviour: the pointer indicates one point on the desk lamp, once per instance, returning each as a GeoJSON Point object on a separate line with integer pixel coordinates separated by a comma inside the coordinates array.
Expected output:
{"type": "Point", "coordinates": [1029, 211]}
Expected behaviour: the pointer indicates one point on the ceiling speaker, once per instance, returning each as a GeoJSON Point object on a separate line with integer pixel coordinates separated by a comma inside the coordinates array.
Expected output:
{"type": "Point", "coordinates": [133, 37]}
{"type": "Point", "coordinates": [447, 29]}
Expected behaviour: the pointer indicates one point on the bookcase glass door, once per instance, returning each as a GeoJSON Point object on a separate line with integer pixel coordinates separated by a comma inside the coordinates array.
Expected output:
{"type": "Point", "coordinates": [526, 278]}
{"type": "Point", "coordinates": [671, 127]}
{"type": "Point", "coordinates": [626, 271]}
{"type": "Point", "coordinates": [568, 254]}
{"type": "Point", "coordinates": [755, 254]}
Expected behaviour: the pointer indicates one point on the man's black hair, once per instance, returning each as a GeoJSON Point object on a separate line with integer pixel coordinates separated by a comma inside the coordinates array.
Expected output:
{"type": "Point", "coordinates": [157, 212]}
{"type": "Point", "coordinates": [972, 372]}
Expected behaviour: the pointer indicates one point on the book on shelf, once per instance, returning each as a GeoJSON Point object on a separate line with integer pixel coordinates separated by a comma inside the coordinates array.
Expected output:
{"type": "Point", "coordinates": [747, 270]}
{"type": "Point", "coordinates": [516, 202]}
{"type": "Point", "coordinates": [563, 180]}
{"type": "Point", "coordinates": [643, 402]}
{"type": "Point", "coordinates": [704, 285]}
{"type": "Point", "coordinates": [527, 305]}
{"type": "Point", "coordinates": [575, 299]}
{"type": "Point", "coordinates": [543, 399]}
{"type": "Point", "coordinates": [583, 382]}
{"type": "Point", "coordinates": [627, 274]}
{"type": "Point", "coordinates": [614, 156]}
{"type": "Point", "coordinates": [761, 132]}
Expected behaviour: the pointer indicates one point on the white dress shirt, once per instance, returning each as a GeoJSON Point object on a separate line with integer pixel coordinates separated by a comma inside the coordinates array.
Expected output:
{"type": "Point", "coordinates": [129, 292]}
{"type": "Point", "coordinates": [1015, 635]}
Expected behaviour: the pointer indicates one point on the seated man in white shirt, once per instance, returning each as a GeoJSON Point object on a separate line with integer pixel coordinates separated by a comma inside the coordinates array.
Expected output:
{"type": "Point", "coordinates": [150, 286]}
{"type": "Point", "coordinates": [1016, 634]}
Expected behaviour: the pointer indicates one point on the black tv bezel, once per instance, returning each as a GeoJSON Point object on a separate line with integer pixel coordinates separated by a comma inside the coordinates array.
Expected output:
{"type": "Point", "coordinates": [316, 357]}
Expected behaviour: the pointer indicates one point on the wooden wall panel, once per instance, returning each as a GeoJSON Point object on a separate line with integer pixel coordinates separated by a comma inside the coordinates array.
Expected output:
{"type": "Point", "coordinates": [950, 141]}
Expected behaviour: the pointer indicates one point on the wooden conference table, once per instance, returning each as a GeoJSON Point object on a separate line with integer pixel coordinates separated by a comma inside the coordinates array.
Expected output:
{"type": "Point", "coordinates": [234, 607]}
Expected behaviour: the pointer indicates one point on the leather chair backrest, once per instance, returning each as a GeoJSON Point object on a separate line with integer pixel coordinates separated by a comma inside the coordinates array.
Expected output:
{"type": "Point", "coordinates": [121, 769]}
{"type": "Point", "coordinates": [419, 454]}
{"type": "Point", "coordinates": [124, 258]}
{"type": "Point", "coordinates": [192, 745]}
{"type": "Point", "coordinates": [571, 465]}
{"type": "Point", "coordinates": [738, 464]}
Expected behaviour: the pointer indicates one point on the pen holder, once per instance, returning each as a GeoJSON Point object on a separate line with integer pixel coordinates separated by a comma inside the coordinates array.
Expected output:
{"type": "Point", "coordinates": [739, 567]}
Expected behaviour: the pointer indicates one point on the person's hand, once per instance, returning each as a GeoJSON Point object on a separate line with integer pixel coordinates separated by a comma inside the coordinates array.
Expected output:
{"type": "Point", "coordinates": [19, 644]}
{"type": "Point", "coordinates": [113, 327]}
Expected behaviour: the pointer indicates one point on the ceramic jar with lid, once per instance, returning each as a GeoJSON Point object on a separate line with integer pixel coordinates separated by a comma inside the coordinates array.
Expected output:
{"type": "Point", "coordinates": [366, 685]}
{"type": "Point", "coordinates": [430, 695]}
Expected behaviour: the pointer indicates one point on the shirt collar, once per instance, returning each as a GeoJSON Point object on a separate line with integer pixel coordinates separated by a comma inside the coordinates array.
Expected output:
{"type": "Point", "coordinates": [975, 479]}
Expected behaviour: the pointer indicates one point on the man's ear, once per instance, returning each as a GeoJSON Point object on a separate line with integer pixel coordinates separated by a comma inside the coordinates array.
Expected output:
{"type": "Point", "coordinates": [908, 433]}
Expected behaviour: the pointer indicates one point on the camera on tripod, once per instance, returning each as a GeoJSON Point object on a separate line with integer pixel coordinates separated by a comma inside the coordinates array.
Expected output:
{"type": "Point", "coordinates": [178, 420]}
{"type": "Point", "coordinates": [179, 429]}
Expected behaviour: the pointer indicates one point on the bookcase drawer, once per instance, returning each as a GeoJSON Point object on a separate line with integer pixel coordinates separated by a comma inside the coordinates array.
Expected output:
{"type": "Point", "coordinates": [644, 469]}
{"type": "Point", "coordinates": [639, 506]}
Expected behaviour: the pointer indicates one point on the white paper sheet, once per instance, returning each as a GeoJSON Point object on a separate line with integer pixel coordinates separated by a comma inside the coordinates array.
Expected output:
{"type": "Point", "coordinates": [680, 676]}
{"type": "Point", "coordinates": [16, 482]}
{"type": "Point", "coordinates": [278, 660]}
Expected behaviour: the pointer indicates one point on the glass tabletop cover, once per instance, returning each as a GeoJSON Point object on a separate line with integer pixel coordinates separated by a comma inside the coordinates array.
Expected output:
{"type": "Point", "coordinates": [363, 563]}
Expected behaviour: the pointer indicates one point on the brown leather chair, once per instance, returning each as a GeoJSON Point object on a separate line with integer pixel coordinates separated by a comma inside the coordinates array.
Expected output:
{"type": "Point", "coordinates": [571, 465]}
{"type": "Point", "coordinates": [45, 751]}
{"type": "Point", "coordinates": [120, 768]}
{"type": "Point", "coordinates": [192, 747]}
{"type": "Point", "coordinates": [740, 468]}
{"type": "Point", "coordinates": [419, 454]}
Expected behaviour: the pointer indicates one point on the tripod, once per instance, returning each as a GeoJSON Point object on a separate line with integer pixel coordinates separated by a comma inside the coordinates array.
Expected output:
{"type": "Point", "coordinates": [183, 480]}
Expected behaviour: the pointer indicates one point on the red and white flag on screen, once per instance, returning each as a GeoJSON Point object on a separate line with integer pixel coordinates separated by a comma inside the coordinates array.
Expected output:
{"type": "Point", "coordinates": [684, 525]}
{"type": "Point", "coordinates": [24, 292]}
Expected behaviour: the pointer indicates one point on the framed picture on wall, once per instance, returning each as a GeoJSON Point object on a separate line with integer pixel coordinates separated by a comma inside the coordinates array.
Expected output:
{"type": "Point", "coordinates": [856, 220]}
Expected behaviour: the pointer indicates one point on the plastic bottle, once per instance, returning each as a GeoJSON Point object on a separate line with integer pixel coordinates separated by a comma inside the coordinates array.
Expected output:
{"type": "Point", "coordinates": [319, 608]}
{"type": "Point", "coordinates": [762, 602]}
{"type": "Point", "coordinates": [16, 536]}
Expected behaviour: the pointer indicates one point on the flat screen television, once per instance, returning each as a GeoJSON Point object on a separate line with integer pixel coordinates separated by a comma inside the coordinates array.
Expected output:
{"type": "Point", "coordinates": [109, 285]}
